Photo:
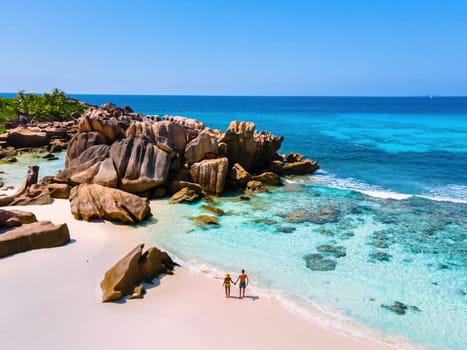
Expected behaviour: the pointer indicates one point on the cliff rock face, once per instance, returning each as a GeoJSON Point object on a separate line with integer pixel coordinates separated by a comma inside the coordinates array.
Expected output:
{"type": "Point", "coordinates": [140, 164]}
{"type": "Point", "coordinates": [134, 268]}
{"type": "Point", "coordinates": [204, 146]}
{"type": "Point", "coordinates": [210, 174]}
{"type": "Point", "coordinates": [91, 201]}
{"type": "Point", "coordinates": [36, 235]}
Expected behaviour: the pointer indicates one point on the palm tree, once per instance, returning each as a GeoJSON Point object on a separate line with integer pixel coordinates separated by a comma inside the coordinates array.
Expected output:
{"type": "Point", "coordinates": [21, 106]}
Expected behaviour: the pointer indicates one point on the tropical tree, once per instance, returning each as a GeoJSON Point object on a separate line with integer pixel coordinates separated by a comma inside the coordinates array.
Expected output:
{"type": "Point", "coordinates": [48, 106]}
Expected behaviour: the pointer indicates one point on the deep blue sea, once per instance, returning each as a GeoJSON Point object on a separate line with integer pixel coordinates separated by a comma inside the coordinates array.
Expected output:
{"type": "Point", "coordinates": [394, 177]}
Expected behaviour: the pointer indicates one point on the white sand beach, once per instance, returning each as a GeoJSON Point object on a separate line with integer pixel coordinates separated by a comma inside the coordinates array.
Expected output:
{"type": "Point", "coordinates": [51, 299]}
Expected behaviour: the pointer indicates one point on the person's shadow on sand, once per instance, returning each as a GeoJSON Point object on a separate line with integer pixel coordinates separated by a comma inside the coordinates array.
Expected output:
{"type": "Point", "coordinates": [252, 297]}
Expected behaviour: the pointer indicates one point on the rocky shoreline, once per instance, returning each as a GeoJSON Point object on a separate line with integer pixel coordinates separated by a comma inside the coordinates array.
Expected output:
{"type": "Point", "coordinates": [116, 156]}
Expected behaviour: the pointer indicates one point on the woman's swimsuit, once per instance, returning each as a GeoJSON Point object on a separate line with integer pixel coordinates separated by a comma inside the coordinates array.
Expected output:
{"type": "Point", "coordinates": [227, 282]}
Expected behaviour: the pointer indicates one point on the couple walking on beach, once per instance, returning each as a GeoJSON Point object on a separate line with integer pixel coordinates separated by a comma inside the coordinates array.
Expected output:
{"type": "Point", "coordinates": [243, 278]}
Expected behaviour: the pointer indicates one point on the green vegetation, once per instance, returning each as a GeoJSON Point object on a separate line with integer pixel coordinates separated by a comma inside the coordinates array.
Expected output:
{"type": "Point", "coordinates": [49, 106]}
{"type": "Point", "coordinates": [6, 108]}
{"type": "Point", "coordinates": [6, 111]}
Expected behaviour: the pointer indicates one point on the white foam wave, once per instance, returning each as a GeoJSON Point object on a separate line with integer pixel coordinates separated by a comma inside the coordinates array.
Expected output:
{"type": "Point", "coordinates": [312, 312]}
{"type": "Point", "coordinates": [449, 193]}
{"type": "Point", "coordinates": [386, 194]}
{"type": "Point", "coordinates": [445, 199]}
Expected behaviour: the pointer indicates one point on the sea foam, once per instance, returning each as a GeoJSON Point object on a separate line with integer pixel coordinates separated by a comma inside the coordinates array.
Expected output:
{"type": "Point", "coordinates": [449, 193]}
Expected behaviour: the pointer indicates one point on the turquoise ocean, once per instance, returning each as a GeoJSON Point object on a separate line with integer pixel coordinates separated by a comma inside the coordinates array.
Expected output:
{"type": "Point", "coordinates": [387, 210]}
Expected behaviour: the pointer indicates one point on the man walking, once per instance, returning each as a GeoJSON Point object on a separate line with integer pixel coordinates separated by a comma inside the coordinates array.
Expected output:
{"type": "Point", "coordinates": [244, 281]}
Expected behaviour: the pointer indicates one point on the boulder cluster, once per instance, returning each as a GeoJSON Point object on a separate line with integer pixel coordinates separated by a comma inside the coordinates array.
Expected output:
{"type": "Point", "coordinates": [50, 136]}
{"type": "Point", "coordinates": [118, 159]}
{"type": "Point", "coordinates": [172, 155]}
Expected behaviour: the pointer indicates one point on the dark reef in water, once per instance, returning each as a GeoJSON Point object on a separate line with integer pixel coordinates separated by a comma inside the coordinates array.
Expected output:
{"type": "Point", "coordinates": [381, 256]}
{"type": "Point", "coordinates": [400, 308]}
{"type": "Point", "coordinates": [317, 262]}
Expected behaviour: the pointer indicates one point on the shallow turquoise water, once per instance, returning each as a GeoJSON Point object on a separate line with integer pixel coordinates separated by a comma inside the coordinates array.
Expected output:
{"type": "Point", "coordinates": [426, 241]}
{"type": "Point", "coordinates": [15, 173]}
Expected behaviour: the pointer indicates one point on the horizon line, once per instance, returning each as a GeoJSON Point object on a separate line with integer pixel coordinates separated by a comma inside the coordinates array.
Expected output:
{"type": "Point", "coordinates": [230, 95]}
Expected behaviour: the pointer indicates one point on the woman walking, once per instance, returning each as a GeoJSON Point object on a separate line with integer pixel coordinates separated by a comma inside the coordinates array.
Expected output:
{"type": "Point", "coordinates": [227, 281]}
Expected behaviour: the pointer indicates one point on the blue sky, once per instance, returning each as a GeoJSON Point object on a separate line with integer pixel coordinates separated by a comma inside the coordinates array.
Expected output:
{"type": "Point", "coordinates": [235, 47]}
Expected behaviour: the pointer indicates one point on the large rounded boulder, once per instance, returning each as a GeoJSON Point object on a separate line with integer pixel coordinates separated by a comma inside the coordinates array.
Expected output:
{"type": "Point", "coordinates": [13, 218]}
{"type": "Point", "coordinates": [81, 142]}
{"type": "Point", "coordinates": [91, 201]}
{"type": "Point", "coordinates": [24, 138]}
{"type": "Point", "coordinates": [93, 165]}
{"type": "Point", "coordinates": [140, 164]}
{"type": "Point", "coordinates": [36, 235]}
{"type": "Point", "coordinates": [127, 274]}
{"type": "Point", "coordinates": [202, 147]}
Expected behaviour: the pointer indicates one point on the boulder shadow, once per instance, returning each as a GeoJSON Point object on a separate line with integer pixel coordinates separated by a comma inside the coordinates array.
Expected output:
{"type": "Point", "coordinates": [147, 286]}
{"type": "Point", "coordinates": [71, 241]}
{"type": "Point", "coordinates": [97, 221]}
{"type": "Point", "coordinates": [147, 222]}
